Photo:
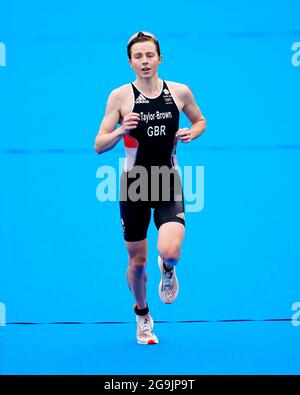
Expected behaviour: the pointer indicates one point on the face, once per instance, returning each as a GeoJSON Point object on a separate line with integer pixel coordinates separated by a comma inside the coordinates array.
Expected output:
{"type": "Point", "coordinates": [145, 59]}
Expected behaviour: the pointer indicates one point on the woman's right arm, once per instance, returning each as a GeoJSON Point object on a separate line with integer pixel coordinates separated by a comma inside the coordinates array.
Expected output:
{"type": "Point", "coordinates": [108, 136]}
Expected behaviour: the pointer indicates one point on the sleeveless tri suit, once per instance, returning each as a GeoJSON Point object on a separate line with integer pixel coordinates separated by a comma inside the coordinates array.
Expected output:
{"type": "Point", "coordinates": [150, 179]}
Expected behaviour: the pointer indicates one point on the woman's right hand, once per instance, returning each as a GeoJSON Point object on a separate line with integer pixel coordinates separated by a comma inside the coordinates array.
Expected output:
{"type": "Point", "coordinates": [130, 121]}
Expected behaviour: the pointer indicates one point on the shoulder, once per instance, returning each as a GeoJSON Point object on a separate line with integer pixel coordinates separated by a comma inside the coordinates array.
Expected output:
{"type": "Point", "coordinates": [182, 90]}
{"type": "Point", "coordinates": [181, 93]}
{"type": "Point", "coordinates": [120, 93]}
{"type": "Point", "coordinates": [118, 99]}
{"type": "Point", "coordinates": [121, 99]}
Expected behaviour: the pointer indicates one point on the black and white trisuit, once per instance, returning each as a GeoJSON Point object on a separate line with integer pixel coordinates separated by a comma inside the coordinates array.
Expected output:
{"type": "Point", "coordinates": [151, 147]}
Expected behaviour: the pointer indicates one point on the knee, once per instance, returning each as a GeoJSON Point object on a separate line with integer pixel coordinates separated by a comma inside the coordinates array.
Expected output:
{"type": "Point", "coordinates": [170, 253]}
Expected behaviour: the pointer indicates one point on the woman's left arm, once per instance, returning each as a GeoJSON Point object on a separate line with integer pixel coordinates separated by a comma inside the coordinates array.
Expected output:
{"type": "Point", "coordinates": [194, 114]}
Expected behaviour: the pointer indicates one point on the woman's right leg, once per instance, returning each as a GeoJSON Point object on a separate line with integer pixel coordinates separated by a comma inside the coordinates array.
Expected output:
{"type": "Point", "coordinates": [136, 272]}
{"type": "Point", "coordinates": [137, 277]}
{"type": "Point", "coordinates": [135, 219]}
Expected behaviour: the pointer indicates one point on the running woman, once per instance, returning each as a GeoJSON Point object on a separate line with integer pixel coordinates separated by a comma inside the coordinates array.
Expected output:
{"type": "Point", "coordinates": [147, 111]}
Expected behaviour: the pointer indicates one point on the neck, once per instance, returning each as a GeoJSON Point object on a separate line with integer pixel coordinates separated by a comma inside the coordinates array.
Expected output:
{"type": "Point", "coordinates": [149, 85]}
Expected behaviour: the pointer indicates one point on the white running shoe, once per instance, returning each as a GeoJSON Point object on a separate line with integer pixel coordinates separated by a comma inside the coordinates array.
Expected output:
{"type": "Point", "coordinates": [168, 287]}
{"type": "Point", "coordinates": [144, 330]}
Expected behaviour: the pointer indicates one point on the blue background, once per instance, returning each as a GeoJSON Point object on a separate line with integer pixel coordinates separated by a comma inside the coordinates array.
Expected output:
{"type": "Point", "coordinates": [62, 255]}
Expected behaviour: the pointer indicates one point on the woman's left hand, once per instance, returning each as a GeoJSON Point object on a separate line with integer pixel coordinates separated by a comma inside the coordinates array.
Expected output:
{"type": "Point", "coordinates": [184, 135]}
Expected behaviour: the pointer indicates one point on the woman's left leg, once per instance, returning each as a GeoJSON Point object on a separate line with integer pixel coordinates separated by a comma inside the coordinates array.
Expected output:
{"type": "Point", "coordinates": [170, 238]}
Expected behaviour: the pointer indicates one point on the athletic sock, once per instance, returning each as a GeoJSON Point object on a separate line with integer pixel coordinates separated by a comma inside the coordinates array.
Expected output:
{"type": "Point", "coordinates": [141, 312]}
